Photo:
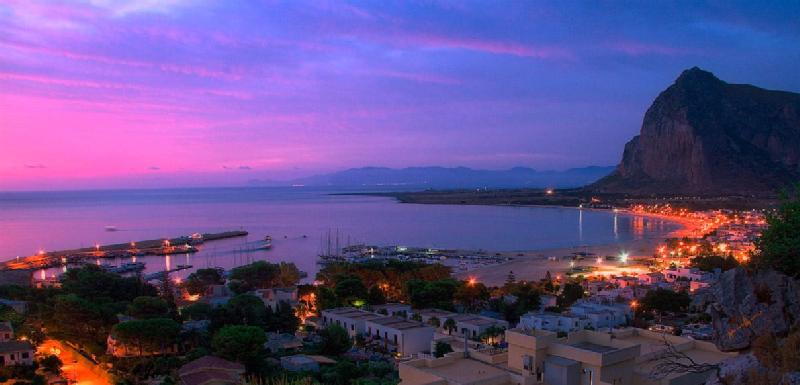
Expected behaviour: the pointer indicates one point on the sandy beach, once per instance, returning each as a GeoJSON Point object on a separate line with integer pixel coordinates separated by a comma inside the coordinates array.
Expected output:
{"type": "Point", "coordinates": [533, 265]}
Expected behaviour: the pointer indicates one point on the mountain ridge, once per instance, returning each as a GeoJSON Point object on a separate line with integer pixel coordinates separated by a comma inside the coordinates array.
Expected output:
{"type": "Point", "coordinates": [451, 177]}
{"type": "Point", "coordinates": [705, 136]}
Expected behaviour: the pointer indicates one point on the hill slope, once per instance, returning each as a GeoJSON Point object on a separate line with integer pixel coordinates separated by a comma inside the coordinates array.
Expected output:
{"type": "Point", "coordinates": [705, 136]}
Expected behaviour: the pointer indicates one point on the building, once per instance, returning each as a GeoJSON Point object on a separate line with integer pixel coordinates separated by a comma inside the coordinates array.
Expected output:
{"type": "Point", "coordinates": [394, 309]}
{"type": "Point", "coordinates": [622, 357]}
{"type": "Point", "coordinates": [16, 277]}
{"type": "Point", "coordinates": [472, 324]}
{"type": "Point", "coordinates": [282, 342]}
{"type": "Point", "coordinates": [400, 335]}
{"type": "Point", "coordinates": [217, 295]}
{"type": "Point", "coordinates": [273, 296]}
{"type": "Point", "coordinates": [351, 319]}
{"type": "Point", "coordinates": [686, 274]}
{"type": "Point", "coordinates": [13, 351]}
{"type": "Point", "coordinates": [20, 307]}
{"type": "Point", "coordinates": [304, 363]}
{"type": "Point", "coordinates": [553, 322]}
{"type": "Point", "coordinates": [602, 315]}
{"type": "Point", "coordinates": [651, 278]}
{"type": "Point", "coordinates": [210, 370]}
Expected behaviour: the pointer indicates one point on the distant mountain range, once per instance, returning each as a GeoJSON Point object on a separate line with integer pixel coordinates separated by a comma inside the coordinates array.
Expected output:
{"type": "Point", "coordinates": [705, 136]}
{"type": "Point", "coordinates": [451, 178]}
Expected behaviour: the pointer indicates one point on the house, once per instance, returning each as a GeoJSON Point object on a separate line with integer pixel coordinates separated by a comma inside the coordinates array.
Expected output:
{"type": "Point", "coordinates": [651, 278]}
{"type": "Point", "coordinates": [210, 370]}
{"type": "Point", "coordinates": [602, 315]}
{"type": "Point", "coordinates": [20, 307]}
{"type": "Point", "coordinates": [12, 351]}
{"type": "Point", "coordinates": [538, 357]}
{"type": "Point", "coordinates": [546, 301]}
{"type": "Point", "coordinates": [351, 319]}
{"type": "Point", "coordinates": [273, 296]}
{"type": "Point", "coordinates": [686, 274]}
{"type": "Point", "coordinates": [282, 342]}
{"type": "Point", "coordinates": [394, 309]}
{"type": "Point", "coordinates": [403, 336]}
{"type": "Point", "coordinates": [624, 281]}
{"type": "Point", "coordinates": [472, 324]}
{"type": "Point", "coordinates": [299, 363]}
{"type": "Point", "coordinates": [217, 295]}
{"type": "Point", "coordinates": [553, 322]}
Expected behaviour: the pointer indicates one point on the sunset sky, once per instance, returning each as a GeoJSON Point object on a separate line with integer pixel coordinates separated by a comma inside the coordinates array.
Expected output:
{"type": "Point", "coordinates": [106, 94]}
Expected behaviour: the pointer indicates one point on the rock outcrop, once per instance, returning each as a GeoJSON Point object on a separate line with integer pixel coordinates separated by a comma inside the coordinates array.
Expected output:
{"type": "Point", "coordinates": [707, 137]}
{"type": "Point", "coordinates": [746, 305]}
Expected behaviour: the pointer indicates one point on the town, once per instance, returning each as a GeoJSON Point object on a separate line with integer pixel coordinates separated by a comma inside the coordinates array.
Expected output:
{"type": "Point", "coordinates": [383, 315]}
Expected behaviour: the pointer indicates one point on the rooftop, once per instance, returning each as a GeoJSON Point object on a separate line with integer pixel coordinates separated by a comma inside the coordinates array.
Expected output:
{"type": "Point", "coordinates": [397, 323]}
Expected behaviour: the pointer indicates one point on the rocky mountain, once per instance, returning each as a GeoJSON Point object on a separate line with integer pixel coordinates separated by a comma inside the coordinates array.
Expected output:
{"type": "Point", "coordinates": [705, 136]}
{"type": "Point", "coordinates": [453, 177]}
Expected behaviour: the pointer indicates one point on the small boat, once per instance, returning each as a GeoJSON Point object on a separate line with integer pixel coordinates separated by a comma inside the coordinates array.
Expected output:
{"type": "Point", "coordinates": [111, 228]}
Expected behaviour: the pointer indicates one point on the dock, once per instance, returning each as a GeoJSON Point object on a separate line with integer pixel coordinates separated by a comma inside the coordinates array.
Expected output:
{"type": "Point", "coordinates": [178, 245]}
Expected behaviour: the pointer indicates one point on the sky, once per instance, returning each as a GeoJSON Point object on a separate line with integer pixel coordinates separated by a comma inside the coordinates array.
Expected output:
{"type": "Point", "coordinates": [167, 93]}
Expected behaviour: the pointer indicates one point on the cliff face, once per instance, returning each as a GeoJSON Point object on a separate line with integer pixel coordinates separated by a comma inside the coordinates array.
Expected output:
{"type": "Point", "coordinates": [704, 136]}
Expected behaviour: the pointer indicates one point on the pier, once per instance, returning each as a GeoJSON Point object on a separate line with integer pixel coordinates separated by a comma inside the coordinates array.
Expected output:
{"type": "Point", "coordinates": [179, 245]}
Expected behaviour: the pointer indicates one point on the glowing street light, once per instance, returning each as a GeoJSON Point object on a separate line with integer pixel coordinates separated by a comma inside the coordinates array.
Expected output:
{"type": "Point", "coordinates": [472, 281]}
{"type": "Point", "coordinates": [623, 257]}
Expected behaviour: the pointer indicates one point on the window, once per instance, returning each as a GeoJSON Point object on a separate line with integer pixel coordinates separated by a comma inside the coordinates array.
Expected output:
{"type": "Point", "coordinates": [352, 327]}
{"type": "Point", "coordinates": [395, 339]}
{"type": "Point", "coordinates": [25, 355]}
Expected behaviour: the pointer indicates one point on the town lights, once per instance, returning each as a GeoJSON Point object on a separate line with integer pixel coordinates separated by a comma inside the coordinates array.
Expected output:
{"type": "Point", "coordinates": [472, 281]}
{"type": "Point", "coordinates": [623, 257]}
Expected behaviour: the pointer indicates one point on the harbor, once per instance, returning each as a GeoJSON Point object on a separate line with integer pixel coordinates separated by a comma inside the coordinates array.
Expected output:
{"type": "Point", "coordinates": [154, 247]}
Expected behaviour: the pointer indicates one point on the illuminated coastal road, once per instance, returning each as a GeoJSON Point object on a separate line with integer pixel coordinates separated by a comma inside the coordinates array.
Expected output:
{"type": "Point", "coordinates": [79, 370]}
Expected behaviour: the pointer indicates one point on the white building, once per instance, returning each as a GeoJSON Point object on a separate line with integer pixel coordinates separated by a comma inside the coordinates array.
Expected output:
{"type": "Point", "coordinates": [687, 274]}
{"type": "Point", "coordinates": [651, 278]}
{"type": "Point", "coordinates": [393, 309]}
{"type": "Point", "coordinates": [273, 296]}
{"type": "Point", "coordinates": [400, 335]}
{"type": "Point", "coordinates": [472, 324]}
{"type": "Point", "coordinates": [350, 318]}
{"type": "Point", "coordinates": [553, 322]}
{"type": "Point", "coordinates": [601, 315]}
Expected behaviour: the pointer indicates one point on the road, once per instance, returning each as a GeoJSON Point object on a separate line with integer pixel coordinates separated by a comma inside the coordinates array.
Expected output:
{"type": "Point", "coordinates": [78, 369]}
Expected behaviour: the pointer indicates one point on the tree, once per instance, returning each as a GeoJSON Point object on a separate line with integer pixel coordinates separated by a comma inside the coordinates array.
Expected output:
{"type": "Point", "coordinates": [711, 262]}
{"type": "Point", "coordinates": [335, 340]}
{"type": "Point", "coordinates": [492, 333]}
{"type": "Point", "coordinates": [240, 343]}
{"type": "Point", "coordinates": [376, 296]}
{"type": "Point", "coordinates": [471, 295]}
{"type": "Point", "coordinates": [569, 294]}
{"type": "Point", "coordinates": [257, 275]}
{"type": "Point", "coordinates": [350, 289]}
{"type": "Point", "coordinates": [148, 307]}
{"type": "Point", "coordinates": [665, 300]}
{"type": "Point", "coordinates": [246, 309]}
{"type": "Point", "coordinates": [288, 274]}
{"type": "Point", "coordinates": [326, 298]}
{"type": "Point", "coordinates": [450, 325]}
{"type": "Point", "coordinates": [441, 349]}
{"type": "Point", "coordinates": [434, 321]}
{"type": "Point", "coordinates": [155, 334]}
{"type": "Point", "coordinates": [437, 294]}
{"type": "Point", "coordinates": [282, 319]}
{"type": "Point", "coordinates": [199, 281]}
{"type": "Point", "coordinates": [51, 364]}
{"type": "Point", "coordinates": [197, 311]}
{"type": "Point", "coordinates": [511, 278]}
{"type": "Point", "coordinates": [97, 285]}
{"type": "Point", "coordinates": [779, 245]}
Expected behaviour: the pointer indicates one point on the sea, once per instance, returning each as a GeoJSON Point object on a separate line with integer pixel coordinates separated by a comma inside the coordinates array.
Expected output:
{"type": "Point", "coordinates": [300, 221]}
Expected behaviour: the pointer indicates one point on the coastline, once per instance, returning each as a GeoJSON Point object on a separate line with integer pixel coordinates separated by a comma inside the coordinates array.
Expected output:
{"type": "Point", "coordinates": [533, 265]}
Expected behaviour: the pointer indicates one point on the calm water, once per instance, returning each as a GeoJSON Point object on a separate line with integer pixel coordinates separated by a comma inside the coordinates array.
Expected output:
{"type": "Point", "coordinates": [30, 221]}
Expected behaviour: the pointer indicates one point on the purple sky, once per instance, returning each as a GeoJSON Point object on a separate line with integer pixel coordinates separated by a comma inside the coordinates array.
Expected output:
{"type": "Point", "coordinates": [104, 94]}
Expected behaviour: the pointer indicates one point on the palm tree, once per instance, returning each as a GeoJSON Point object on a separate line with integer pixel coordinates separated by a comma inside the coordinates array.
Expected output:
{"type": "Point", "coordinates": [450, 325]}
